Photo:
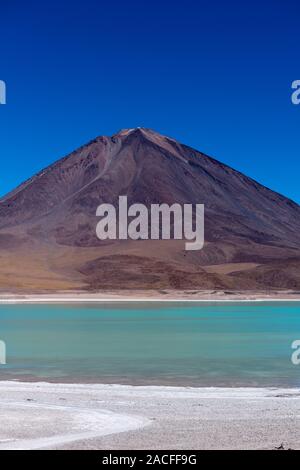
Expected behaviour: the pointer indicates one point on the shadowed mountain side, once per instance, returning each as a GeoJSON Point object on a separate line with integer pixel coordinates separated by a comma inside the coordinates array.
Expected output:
{"type": "Point", "coordinates": [53, 214]}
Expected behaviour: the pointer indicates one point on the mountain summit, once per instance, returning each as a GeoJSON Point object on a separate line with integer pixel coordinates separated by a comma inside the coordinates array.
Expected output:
{"type": "Point", "coordinates": [47, 225]}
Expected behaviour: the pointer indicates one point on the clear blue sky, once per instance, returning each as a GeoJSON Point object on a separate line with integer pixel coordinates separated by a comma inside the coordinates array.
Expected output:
{"type": "Point", "coordinates": [214, 74]}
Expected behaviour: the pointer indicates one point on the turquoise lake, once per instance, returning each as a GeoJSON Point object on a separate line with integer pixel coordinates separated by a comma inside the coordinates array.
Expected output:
{"type": "Point", "coordinates": [207, 344]}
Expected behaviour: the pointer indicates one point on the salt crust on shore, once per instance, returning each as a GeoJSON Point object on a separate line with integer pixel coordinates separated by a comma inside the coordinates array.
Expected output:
{"type": "Point", "coordinates": [84, 416]}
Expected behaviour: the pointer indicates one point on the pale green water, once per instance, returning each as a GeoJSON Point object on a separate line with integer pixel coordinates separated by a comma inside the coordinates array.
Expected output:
{"type": "Point", "coordinates": [247, 344]}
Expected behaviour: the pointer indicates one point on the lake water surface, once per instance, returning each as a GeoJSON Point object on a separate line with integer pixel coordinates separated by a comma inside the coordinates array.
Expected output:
{"type": "Point", "coordinates": [205, 344]}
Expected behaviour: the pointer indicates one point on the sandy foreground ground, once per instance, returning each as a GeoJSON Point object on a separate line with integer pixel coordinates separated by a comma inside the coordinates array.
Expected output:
{"type": "Point", "coordinates": [69, 416]}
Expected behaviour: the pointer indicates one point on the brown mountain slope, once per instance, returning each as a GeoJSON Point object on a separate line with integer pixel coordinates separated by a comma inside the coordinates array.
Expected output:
{"type": "Point", "coordinates": [47, 225]}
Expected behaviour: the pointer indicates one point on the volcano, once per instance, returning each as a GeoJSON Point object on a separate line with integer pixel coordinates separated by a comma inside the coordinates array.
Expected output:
{"type": "Point", "coordinates": [48, 224]}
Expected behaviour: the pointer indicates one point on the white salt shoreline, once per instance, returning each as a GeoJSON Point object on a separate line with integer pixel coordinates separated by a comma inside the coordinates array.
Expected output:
{"type": "Point", "coordinates": [64, 300]}
{"type": "Point", "coordinates": [99, 416]}
{"type": "Point", "coordinates": [150, 296]}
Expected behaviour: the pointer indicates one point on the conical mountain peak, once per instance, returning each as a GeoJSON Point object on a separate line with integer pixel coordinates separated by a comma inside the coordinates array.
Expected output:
{"type": "Point", "coordinates": [128, 131]}
{"type": "Point", "coordinates": [244, 221]}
